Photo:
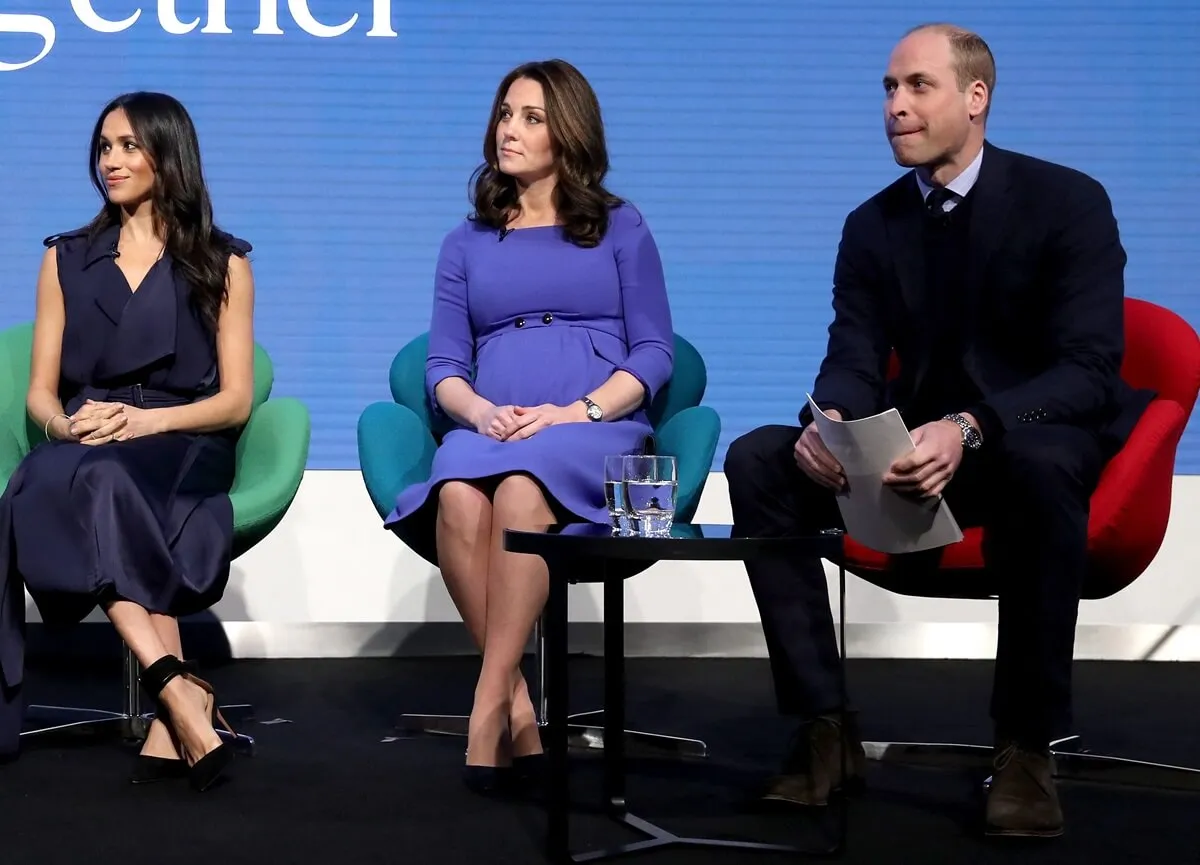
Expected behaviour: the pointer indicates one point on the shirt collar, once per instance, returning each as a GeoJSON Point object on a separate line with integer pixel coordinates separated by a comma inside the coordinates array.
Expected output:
{"type": "Point", "coordinates": [960, 185]}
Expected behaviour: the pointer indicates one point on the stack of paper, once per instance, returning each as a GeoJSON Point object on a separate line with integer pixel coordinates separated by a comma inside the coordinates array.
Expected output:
{"type": "Point", "coordinates": [876, 515]}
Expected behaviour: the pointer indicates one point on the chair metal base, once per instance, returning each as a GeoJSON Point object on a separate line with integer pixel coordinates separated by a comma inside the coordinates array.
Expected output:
{"type": "Point", "coordinates": [131, 723]}
{"type": "Point", "coordinates": [72, 721]}
{"type": "Point", "coordinates": [1072, 763]}
{"type": "Point", "coordinates": [77, 721]}
{"type": "Point", "coordinates": [580, 737]}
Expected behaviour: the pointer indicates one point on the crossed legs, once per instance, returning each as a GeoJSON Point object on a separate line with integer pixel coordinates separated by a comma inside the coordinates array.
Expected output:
{"type": "Point", "coordinates": [499, 596]}
{"type": "Point", "coordinates": [150, 637]}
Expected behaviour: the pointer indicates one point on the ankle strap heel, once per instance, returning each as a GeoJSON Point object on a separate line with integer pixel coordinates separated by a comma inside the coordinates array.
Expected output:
{"type": "Point", "coordinates": [205, 771]}
{"type": "Point", "coordinates": [155, 677]}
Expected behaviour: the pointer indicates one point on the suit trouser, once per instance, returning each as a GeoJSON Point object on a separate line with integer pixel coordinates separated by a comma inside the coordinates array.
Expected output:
{"type": "Point", "coordinates": [1029, 490]}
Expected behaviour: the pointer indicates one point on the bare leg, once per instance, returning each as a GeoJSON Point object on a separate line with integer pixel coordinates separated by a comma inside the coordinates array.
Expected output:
{"type": "Point", "coordinates": [464, 531]}
{"type": "Point", "coordinates": [517, 589]}
{"type": "Point", "coordinates": [464, 542]}
{"type": "Point", "coordinates": [160, 739]}
{"type": "Point", "coordinates": [186, 702]}
{"type": "Point", "coordinates": [522, 719]}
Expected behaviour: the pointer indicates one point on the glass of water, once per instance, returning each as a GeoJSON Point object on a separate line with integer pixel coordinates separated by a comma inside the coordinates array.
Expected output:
{"type": "Point", "coordinates": [614, 494]}
{"type": "Point", "coordinates": [651, 483]}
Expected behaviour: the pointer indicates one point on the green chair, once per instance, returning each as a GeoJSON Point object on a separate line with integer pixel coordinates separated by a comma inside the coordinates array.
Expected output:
{"type": "Point", "coordinates": [271, 455]}
{"type": "Point", "coordinates": [396, 443]}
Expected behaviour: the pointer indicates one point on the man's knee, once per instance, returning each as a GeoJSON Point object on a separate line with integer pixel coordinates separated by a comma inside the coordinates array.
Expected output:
{"type": "Point", "coordinates": [1050, 458]}
{"type": "Point", "coordinates": [741, 456]}
{"type": "Point", "coordinates": [758, 451]}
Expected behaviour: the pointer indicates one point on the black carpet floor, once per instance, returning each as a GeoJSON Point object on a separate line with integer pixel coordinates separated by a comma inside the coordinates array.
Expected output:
{"type": "Point", "coordinates": [331, 783]}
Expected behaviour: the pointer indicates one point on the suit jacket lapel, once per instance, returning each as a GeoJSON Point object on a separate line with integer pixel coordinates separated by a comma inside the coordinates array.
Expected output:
{"type": "Point", "coordinates": [992, 196]}
{"type": "Point", "coordinates": [904, 228]}
{"type": "Point", "coordinates": [991, 203]}
{"type": "Point", "coordinates": [906, 239]}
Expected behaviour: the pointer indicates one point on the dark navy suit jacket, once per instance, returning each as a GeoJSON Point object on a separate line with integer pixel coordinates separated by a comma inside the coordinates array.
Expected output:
{"type": "Point", "coordinates": [1043, 321]}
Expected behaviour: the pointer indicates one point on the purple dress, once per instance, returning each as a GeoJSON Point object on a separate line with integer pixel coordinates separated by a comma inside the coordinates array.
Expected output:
{"type": "Point", "coordinates": [531, 318]}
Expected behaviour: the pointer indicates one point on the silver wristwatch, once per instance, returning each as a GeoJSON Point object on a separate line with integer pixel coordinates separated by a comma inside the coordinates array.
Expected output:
{"type": "Point", "coordinates": [594, 412]}
{"type": "Point", "coordinates": [971, 438]}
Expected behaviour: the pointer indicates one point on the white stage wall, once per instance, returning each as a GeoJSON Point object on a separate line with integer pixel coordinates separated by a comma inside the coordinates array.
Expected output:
{"type": "Point", "coordinates": [331, 583]}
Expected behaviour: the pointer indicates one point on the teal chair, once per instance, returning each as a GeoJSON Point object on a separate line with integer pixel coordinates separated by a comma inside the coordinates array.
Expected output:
{"type": "Point", "coordinates": [271, 455]}
{"type": "Point", "coordinates": [396, 443]}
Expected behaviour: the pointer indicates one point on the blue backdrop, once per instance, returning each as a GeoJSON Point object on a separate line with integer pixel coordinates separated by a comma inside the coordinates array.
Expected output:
{"type": "Point", "coordinates": [341, 147]}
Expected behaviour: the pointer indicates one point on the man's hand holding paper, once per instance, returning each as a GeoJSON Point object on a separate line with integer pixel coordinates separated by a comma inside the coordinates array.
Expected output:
{"type": "Point", "coordinates": [815, 460]}
{"type": "Point", "coordinates": [883, 468]}
{"type": "Point", "coordinates": [926, 469]}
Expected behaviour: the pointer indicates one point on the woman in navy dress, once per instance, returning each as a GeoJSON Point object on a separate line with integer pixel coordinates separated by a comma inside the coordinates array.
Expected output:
{"type": "Point", "coordinates": [551, 332]}
{"type": "Point", "coordinates": [142, 376]}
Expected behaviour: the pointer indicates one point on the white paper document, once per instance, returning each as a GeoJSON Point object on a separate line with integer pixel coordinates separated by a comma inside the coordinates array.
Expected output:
{"type": "Point", "coordinates": [876, 515]}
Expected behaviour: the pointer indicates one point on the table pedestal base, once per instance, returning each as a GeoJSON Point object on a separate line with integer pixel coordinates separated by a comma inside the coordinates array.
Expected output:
{"type": "Point", "coordinates": [659, 837]}
{"type": "Point", "coordinates": [558, 729]}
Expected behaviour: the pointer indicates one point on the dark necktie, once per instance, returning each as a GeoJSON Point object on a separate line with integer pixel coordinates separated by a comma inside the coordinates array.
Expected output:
{"type": "Point", "coordinates": [935, 202]}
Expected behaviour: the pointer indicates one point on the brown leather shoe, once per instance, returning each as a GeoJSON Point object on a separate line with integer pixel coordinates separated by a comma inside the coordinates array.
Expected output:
{"type": "Point", "coordinates": [1023, 801]}
{"type": "Point", "coordinates": [813, 769]}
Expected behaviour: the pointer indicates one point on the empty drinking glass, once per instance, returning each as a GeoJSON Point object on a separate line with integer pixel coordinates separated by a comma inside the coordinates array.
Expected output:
{"type": "Point", "coordinates": [614, 493]}
{"type": "Point", "coordinates": [651, 483]}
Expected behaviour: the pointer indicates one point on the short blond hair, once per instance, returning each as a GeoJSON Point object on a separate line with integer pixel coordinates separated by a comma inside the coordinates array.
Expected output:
{"type": "Point", "coordinates": [973, 60]}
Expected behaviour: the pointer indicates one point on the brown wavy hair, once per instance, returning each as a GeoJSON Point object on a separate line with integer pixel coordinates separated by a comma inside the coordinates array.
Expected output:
{"type": "Point", "coordinates": [580, 154]}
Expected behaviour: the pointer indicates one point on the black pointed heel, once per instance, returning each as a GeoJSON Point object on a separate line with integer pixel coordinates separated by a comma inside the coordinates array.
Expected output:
{"type": "Point", "coordinates": [204, 772]}
{"type": "Point", "coordinates": [531, 768]}
{"type": "Point", "coordinates": [148, 770]}
{"type": "Point", "coordinates": [530, 774]}
{"type": "Point", "coordinates": [488, 780]}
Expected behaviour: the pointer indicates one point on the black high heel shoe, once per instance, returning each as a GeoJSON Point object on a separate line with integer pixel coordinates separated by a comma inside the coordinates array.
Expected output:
{"type": "Point", "coordinates": [148, 770]}
{"type": "Point", "coordinates": [531, 767]}
{"type": "Point", "coordinates": [494, 781]}
{"type": "Point", "coordinates": [529, 774]}
{"type": "Point", "coordinates": [204, 772]}
{"type": "Point", "coordinates": [489, 780]}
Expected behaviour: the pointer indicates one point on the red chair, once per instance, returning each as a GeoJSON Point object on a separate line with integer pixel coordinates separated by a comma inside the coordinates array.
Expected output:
{"type": "Point", "coordinates": [1129, 513]}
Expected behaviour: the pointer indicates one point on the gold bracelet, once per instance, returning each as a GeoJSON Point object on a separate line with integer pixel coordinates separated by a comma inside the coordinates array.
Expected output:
{"type": "Point", "coordinates": [46, 428]}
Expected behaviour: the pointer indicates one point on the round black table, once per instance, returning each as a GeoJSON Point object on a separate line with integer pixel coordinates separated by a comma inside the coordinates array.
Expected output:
{"type": "Point", "coordinates": [589, 553]}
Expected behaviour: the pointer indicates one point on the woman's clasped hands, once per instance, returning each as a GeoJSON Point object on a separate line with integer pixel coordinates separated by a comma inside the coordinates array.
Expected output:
{"type": "Point", "coordinates": [98, 423]}
{"type": "Point", "coordinates": [514, 422]}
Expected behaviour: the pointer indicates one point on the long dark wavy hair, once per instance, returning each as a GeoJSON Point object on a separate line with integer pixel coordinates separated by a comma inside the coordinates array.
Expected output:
{"type": "Point", "coordinates": [580, 154]}
{"type": "Point", "coordinates": [182, 209]}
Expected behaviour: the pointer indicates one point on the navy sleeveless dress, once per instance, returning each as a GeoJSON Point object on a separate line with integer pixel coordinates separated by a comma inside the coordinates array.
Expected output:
{"type": "Point", "coordinates": [146, 520]}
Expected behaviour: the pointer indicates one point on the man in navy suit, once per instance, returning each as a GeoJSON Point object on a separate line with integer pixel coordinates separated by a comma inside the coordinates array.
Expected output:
{"type": "Point", "coordinates": [997, 279]}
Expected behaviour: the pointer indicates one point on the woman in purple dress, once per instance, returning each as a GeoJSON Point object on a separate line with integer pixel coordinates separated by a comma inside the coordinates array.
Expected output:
{"type": "Point", "coordinates": [142, 376]}
{"type": "Point", "coordinates": [551, 332]}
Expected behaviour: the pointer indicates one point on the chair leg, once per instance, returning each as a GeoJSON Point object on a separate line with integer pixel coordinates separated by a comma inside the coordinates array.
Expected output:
{"type": "Point", "coordinates": [1072, 763]}
{"type": "Point", "coordinates": [130, 723]}
{"type": "Point", "coordinates": [580, 737]}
